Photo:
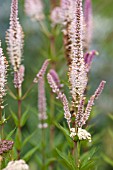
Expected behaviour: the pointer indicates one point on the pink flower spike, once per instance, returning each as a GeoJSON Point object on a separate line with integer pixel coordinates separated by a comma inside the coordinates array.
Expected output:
{"type": "Point", "coordinates": [3, 76]}
{"type": "Point", "coordinates": [41, 71]}
{"type": "Point", "coordinates": [19, 77]}
{"type": "Point", "coordinates": [77, 72]}
{"type": "Point", "coordinates": [80, 112]}
{"type": "Point", "coordinates": [88, 21]}
{"type": "Point", "coordinates": [99, 89]}
{"type": "Point", "coordinates": [15, 37]}
{"type": "Point", "coordinates": [56, 78]}
{"type": "Point", "coordinates": [56, 16]}
{"type": "Point", "coordinates": [91, 103]}
{"type": "Point", "coordinates": [41, 100]}
{"type": "Point", "coordinates": [34, 9]}
{"type": "Point", "coordinates": [88, 58]}
{"type": "Point", "coordinates": [60, 96]}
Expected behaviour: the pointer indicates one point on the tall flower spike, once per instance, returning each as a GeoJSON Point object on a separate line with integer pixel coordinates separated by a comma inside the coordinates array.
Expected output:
{"type": "Point", "coordinates": [80, 112]}
{"type": "Point", "coordinates": [34, 9]}
{"type": "Point", "coordinates": [14, 37]}
{"type": "Point", "coordinates": [77, 72]}
{"type": "Point", "coordinates": [88, 22]}
{"type": "Point", "coordinates": [41, 71]}
{"type": "Point", "coordinates": [19, 77]}
{"type": "Point", "coordinates": [60, 96]}
{"type": "Point", "coordinates": [91, 103]}
{"type": "Point", "coordinates": [3, 75]}
{"type": "Point", "coordinates": [67, 9]}
{"type": "Point", "coordinates": [42, 103]}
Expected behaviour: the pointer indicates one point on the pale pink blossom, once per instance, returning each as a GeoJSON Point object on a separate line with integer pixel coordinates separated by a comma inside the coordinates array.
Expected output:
{"type": "Point", "coordinates": [3, 75]}
{"type": "Point", "coordinates": [41, 71]}
{"type": "Point", "coordinates": [15, 37]}
{"type": "Point", "coordinates": [19, 77]}
{"type": "Point", "coordinates": [34, 9]}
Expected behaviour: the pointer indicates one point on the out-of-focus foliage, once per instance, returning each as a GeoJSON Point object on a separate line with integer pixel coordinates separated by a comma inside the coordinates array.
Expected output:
{"type": "Point", "coordinates": [36, 49]}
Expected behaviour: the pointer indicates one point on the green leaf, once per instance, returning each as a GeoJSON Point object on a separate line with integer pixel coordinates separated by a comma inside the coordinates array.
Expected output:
{"type": "Point", "coordinates": [65, 159]}
{"type": "Point", "coordinates": [50, 160]}
{"type": "Point", "coordinates": [87, 158]}
{"type": "Point", "coordinates": [18, 140]}
{"type": "Point", "coordinates": [15, 118]}
{"type": "Point", "coordinates": [111, 116]}
{"type": "Point", "coordinates": [65, 132]}
{"type": "Point", "coordinates": [38, 160]}
{"type": "Point", "coordinates": [89, 166]}
{"type": "Point", "coordinates": [30, 153]}
{"type": "Point", "coordinates": [28, 138]}
{"type": "Point", "coordinates": [24, 118]}
{"type": "Point", "coordinates": [107, 159]}
{"type": "Point", "coordinates": [72, 160]}
{"type": "Point", "coordinates": [10, 134]}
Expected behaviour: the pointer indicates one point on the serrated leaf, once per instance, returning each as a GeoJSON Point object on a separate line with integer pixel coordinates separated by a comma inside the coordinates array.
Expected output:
{"type": "Point", "coordinates": [107, 159]}
{"type": "Point", "coordinates": [24, 118]}
{"type": "Point", "coordinates": [10, 134]}
{"type": "Point", "coordinates": [28, 138]}
{"type": "Point", "coordinates": [15, 118]}
{"type": "Point", "coordinates": [30, 153]}
{"type": "Point", "coordinates": [65, 159]}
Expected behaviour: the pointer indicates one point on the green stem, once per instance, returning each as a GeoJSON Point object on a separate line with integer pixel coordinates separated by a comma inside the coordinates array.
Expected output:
{"type": "Point", "coordinates": [26, 93]}
{"type": "Point", "coordinates": [19, 117]}
{"type": "Point", "coordinates": [11, 93]}
{"type": "Point", "coordinates": [43, 148]}
{"type": "Point", "coordinates": [44, 29]}
{"type": "Point", "coordinates": [78, 155]}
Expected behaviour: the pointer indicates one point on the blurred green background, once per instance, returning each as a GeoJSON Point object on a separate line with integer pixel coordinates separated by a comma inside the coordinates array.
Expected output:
{"type": "Point", "coordinates": [35, 52]}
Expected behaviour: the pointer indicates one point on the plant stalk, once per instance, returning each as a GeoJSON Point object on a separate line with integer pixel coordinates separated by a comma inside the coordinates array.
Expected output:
{"type": "Point", "coordinates": [19, 117]}
{"type": "Point", "coordinates": [78, 155]}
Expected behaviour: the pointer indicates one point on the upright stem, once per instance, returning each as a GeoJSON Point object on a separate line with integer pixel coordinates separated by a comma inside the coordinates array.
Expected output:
{"type": "Point", "coordinates": [78, 154]}
{"type": "Point", "coordinates": [52, 118]}
{"type": "Point", "coordinates": [19, 117]}
{"type": "Point", "coordinates": [43, 148]}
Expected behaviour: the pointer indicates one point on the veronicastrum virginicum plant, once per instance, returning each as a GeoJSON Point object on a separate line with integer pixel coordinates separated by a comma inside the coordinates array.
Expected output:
{"type": "Point", "coordinates": [76, 41]}
{"type": "Point", "coordinates": [77, 36]}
